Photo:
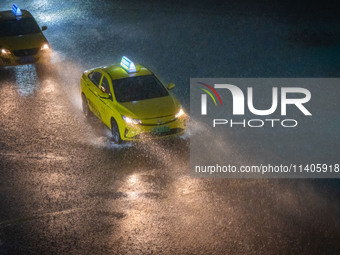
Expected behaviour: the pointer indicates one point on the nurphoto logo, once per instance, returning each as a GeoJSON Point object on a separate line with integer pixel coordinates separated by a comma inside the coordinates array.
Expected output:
{"type": "Point", "coordinates": [295, 96]}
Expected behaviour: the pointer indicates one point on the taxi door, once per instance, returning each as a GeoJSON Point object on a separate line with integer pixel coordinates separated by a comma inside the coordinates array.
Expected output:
{"type": "Point", "coordinates": [105, 100]}
{"type": "Point", "coordinates": [95, 78]}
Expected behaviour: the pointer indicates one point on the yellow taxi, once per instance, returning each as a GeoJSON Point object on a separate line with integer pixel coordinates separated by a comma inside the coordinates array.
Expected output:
{"type": "Point", "coordinates": [132, 102]}
{"type": "Point", "coordinates": [21, 39]}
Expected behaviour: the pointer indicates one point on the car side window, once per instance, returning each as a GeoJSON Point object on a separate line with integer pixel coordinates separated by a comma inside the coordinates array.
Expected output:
{"type": "Point", "coordinates": [95, 78]}
{"type": "Point", "coordinates": [105, 85]}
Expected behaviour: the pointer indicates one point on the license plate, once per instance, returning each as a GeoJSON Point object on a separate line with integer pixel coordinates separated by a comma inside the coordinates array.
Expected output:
{"type": "Point", "coordinates": [159, 130]}
{"type": "Point", "coordinates": [27, 59]}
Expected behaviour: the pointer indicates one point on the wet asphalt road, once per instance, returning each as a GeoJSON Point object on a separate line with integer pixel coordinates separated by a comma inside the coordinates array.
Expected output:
{"type": "Point", "coordinates": [65, 188]}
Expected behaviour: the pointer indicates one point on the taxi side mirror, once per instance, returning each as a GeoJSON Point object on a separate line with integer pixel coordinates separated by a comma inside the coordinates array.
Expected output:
{"type": "Point", "coordinates": [104, 94]}
{"type": "Point", "coordinates": [43, 28]}
{"type": "Point", "coordinates": [170, 86]}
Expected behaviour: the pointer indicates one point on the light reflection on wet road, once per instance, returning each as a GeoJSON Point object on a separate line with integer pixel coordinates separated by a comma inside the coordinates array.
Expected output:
{"type": "Point", "coordinates": [65, 188]}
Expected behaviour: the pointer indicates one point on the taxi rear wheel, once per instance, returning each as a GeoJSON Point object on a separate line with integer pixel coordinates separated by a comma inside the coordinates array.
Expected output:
{"type": "Point", "coordinates": [115, 132]}
{"type": "Point", "coordinates": [86, 109]}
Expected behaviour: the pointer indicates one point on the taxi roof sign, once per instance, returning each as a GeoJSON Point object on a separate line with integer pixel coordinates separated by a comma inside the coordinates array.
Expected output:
{"type": "Point", "coordinates": [128, 65]}
{"type": "Point", "coordinates": [16, 10]}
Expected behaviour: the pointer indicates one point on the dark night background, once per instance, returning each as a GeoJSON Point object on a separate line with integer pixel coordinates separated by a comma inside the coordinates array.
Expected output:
{"type": "Point", "coordinates": [65, 188]}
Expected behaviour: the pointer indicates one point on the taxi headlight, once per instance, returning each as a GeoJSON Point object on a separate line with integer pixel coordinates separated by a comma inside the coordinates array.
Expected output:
{"type": "Point", "coordinates": [5, 52]}
{"type": "Point", "coordinates": [130, 120]}
{"type": "Point", "coordinates": [45, 46]}
{"type": "Point", "coordinates": [180, 113]}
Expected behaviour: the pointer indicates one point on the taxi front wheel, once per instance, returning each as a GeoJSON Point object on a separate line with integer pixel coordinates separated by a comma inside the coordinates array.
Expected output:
{"type": "Point", "coordinates": [115, 132]}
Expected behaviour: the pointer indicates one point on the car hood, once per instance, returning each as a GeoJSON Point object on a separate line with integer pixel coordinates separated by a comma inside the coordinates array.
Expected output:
{"type": "Point", "coordinates": [22, 41]}
{"type": "Point", "coordinates": [152, 108]}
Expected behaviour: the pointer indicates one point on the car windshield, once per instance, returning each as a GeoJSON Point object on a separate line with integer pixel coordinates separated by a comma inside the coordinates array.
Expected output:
{"type": "Point", "coordinates": [14, 27]}
{"type": "Point", "coordinates": [138, 88]}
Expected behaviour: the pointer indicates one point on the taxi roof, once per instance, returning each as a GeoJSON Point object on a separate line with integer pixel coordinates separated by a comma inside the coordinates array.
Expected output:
{"type": "Point", "coordinates": [117, 72]}
{"type": "Point", "coordinates": [8, 15]}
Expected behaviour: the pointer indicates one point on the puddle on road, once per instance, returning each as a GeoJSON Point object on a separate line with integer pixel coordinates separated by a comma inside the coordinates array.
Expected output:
{"type": "Point", "coordinates": [32, 155]}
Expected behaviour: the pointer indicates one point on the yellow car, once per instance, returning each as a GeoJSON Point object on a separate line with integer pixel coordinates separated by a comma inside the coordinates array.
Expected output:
{"type": "Point", "coordinates": [132, 102]}
{"type": "Point", "coordinates": [21, 39]}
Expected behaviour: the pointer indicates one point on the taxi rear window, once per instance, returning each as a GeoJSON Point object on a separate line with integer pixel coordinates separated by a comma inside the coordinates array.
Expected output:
{"type": "Point", "coordinates": [14, 27]}
{"type": "Point", "coordinates": [138, 88]}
